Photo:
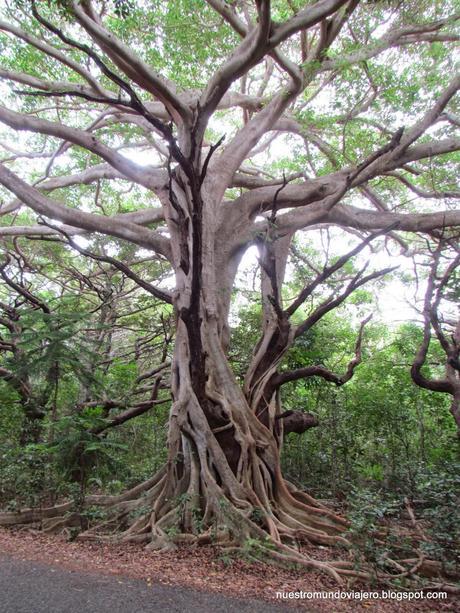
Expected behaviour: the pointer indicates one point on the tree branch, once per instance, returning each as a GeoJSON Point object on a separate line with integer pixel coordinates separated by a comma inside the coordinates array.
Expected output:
{"type": "Point", "coordinates": [86, 221]}
{"type": "Point", "coordinates": [148, 287]}
{"type": "Point", "coordinates": [134, 68]}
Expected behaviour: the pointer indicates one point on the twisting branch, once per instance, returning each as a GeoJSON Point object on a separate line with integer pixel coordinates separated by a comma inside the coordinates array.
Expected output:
{"type": "Point", "coordinates": [134, 68]}
{"type": "Point", "coordinates": [331, 303]}
{"type": "Point", "coordinates": [248, 136]}
{"type": "Point", "coordinates": [252, 49]}
{"type": "Point", "coordinates": [148, 287]}
{"type": "Point", "coordinates": [283, 377]}
{"type": "Point", "coordinates": [279, 333]}
{"type": "Point", "coordinates": [356, 360]}
{"type": "Point", "coordinates": [434, 294]}
{"type": "Point", "coordinates": [20, 289]}
{"type": "Point", "coordinates": [134, 101]}
{"type": "Point", "coordinates": [328, 271]}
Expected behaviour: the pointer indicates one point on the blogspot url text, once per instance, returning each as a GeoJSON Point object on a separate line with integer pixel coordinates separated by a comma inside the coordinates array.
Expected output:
{"type": "Point", "coordinates": [408, 596]}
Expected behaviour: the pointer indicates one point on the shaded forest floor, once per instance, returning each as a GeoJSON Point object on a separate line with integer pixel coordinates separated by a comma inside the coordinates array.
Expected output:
{"type": "Point", "coordinates": [202, 568]}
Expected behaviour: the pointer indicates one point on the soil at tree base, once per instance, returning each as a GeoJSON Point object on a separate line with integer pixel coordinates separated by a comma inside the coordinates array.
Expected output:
{"type": "Point", "coordinates": [46, 574]}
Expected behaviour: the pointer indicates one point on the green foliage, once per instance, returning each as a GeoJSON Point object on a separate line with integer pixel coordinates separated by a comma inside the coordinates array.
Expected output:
{"type": "Point", "coordinates": [120, 379]}
{"type": "Point", "coordinates": [436, 500]}
{"type": "Point", "coordinates": [51, 349]}
{"type": "Point", "coordinates": [368, 509]}
{"type": "Point", "coordinates": [440, 492]}
{"type": "Point", "coordinates": [80, 453]}
{"type": "Point", "coordinates": [379, 428]}
{"type": "Point", "coordinates": [256, 549]}
{"type": "Point", "coordinates": [27, 475]}
{"type": "Point", "coordinates": [121, 8]}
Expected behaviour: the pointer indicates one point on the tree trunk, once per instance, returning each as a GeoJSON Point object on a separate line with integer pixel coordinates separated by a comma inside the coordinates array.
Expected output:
{"type": "Point", "coordinates": [222, 480]}
{"type": "Point", "coordinates": [223, 471]}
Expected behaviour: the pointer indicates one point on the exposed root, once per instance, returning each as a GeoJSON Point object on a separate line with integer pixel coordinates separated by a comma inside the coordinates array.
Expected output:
{"type": "Point", "coordinates": [29, 516]}
{"type": "Point", "coordinates": [197, 499]}
{"type": "Point", "coordinates": [286, 559]}
{"type": "Point", "coordinates": [271, 537]}
{"type": "Point", "coordinates": [58, 524]}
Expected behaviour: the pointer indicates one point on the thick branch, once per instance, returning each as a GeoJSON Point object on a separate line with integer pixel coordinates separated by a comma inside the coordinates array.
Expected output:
{"type": "Point", "coordinates": [429, 314]}
{"type": "Point", "coordinates": [250, 52]}
{"type": "Point", "coordinates": [139, 174]}
{"type": "Point", "coordinates": [86, 221]}
{"type": "Point", "coordinates": [134, 68]}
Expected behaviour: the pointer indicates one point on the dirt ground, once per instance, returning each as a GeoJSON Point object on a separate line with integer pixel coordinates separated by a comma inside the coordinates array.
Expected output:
{"type": "Point", "coordinates": [202, 568]}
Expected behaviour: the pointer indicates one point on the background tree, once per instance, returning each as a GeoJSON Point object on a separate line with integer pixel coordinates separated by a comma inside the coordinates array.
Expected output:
{"type": "Point", "coordinates": [84, 349]}
{"type": "Point", "coordinates": [442, 290]}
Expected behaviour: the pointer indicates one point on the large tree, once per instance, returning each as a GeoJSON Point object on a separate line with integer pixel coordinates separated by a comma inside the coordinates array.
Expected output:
{"type": "Point", "coordinates": [348, 107]}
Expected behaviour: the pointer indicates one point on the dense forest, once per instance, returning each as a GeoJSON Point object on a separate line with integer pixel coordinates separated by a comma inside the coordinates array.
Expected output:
{"type": "Point", "coordinates": [229, 259]}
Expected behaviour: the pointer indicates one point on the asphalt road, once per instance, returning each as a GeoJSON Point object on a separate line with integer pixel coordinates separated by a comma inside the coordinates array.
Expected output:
{"type": "Point", "coordinates": [31, 587]}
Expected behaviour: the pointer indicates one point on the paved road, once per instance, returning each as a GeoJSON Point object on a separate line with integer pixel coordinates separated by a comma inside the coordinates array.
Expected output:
{"type": "Point", "coordinates": [31, 587]}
